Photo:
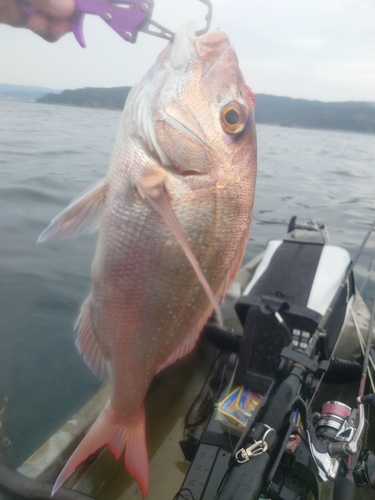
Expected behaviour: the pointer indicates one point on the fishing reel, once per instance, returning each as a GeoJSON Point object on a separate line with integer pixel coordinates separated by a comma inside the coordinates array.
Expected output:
{"type": "Point", "coordinates": [335, 440]}
{"type": "Point", "coordinates": [335, 435]}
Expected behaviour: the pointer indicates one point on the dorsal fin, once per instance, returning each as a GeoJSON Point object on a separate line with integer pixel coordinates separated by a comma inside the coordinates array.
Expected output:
{"type": "Point", "coordinates": [80, 217]}
{"type": "Point", "coordinates": [154, 191]}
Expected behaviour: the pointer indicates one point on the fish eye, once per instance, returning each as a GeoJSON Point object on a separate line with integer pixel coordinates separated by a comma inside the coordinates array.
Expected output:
{"type": "Point", "coordinates": [233, 118]}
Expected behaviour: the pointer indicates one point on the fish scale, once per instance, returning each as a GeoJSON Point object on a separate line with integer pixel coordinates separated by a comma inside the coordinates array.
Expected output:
{"type": "Point", "coordinates": [174, 215]}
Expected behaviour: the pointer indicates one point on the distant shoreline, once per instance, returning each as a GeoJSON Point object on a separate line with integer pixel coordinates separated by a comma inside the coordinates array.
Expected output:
{"type": "Point", "coordinates": [102, 108]}
{"type": "Point", "coordinates": [258, 122]}
{"type": "Point", "coordinates": [271, 110]}
{"type": "Point", "coordinates": [100, 98]}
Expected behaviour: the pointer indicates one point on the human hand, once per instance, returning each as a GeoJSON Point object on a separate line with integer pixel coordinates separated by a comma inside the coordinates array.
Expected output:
{"type": "Point", "coordinates": [50, 22]}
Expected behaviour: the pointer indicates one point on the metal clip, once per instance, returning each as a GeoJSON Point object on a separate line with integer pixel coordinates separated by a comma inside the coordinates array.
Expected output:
{"type": "Point", "coordinates": [151, 27]}
{"type": "Point", "coordinates": [207, 18]}
{"type": "Point", "coordinates": [257, 448]}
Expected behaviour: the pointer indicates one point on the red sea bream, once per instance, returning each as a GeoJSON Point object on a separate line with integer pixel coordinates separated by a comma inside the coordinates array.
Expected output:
{"type": "Point", "coordinates": [174, 215]}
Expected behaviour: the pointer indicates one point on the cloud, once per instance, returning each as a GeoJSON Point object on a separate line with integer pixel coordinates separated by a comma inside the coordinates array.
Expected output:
{"type": "Point", "coordinates": [317, 50]}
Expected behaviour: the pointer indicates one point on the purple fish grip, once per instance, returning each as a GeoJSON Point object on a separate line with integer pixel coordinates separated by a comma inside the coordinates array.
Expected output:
{"type": "Point", "coordinates": [123, 16]}
{"type": "Point", "coordinates": [76, 24]}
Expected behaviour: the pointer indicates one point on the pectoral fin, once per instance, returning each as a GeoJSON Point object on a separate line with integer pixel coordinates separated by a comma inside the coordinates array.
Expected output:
{"type": "Point", "coordinates": [156, 194]}
{"type": "Point", "coordinates": [80, 217]}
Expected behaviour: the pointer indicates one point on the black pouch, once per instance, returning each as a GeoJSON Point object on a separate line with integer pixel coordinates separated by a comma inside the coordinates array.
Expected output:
{"type": "Point", "coordinates": [297, 281]}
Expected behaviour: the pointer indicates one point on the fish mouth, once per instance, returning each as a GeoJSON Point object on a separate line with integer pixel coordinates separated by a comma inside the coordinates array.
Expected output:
{"type": "Point", "coordinates": [204, 50]}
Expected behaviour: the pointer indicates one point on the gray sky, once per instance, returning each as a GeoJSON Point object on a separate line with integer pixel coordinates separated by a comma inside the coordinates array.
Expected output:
{"type": "Point", "coordinates": [312, 49]}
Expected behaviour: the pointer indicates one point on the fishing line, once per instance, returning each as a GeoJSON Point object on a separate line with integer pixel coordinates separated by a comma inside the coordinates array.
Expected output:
{"type": "Point", "coordinates": [320, 328]}
{"type": "Point", "coordinates": [368, 273]}
{"type": "Point", "coordinates": [367, 352]}
{"type": "Point", "coordinates": [186, 421]}
{"type": "Point", "coordinates": [361, 338]}
{"type": "Point", "coordinates": [223, 369]}
{"type": "Point", "coordinates": [324, 373]}
{"type": "Point", "coordinates": [212, 399]}
{"type": "Point", "coordinates": [230, 439]}
{"type": "Point", "coordinates": [362, 345]}
{"type": "Point", "coordinates": [368, 427]}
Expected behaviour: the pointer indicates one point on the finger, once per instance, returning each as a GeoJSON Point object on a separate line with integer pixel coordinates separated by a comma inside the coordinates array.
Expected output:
{"type": "Point", "coordinates": [49, 30]}
{"type": "Point", "coordinates": [54, 8]}
{"type": "Point", "coordinates": [59, 28]}
{"type": "Point", "coordinates": [11, 13]}
{"type": "Point", "coordinates": [39, 24]}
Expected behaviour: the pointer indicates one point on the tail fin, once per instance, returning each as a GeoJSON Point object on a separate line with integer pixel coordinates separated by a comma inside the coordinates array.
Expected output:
{"type": "Point", "coordinates": [118, 433]}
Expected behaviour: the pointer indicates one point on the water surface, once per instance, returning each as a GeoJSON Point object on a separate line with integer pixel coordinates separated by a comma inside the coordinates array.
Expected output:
{"type": "Point", "coordinates": [48, 155]}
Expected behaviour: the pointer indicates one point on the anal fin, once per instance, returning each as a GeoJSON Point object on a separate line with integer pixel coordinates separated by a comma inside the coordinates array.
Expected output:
{"type": "Point", "coordinates": [80, 217]}
{"type": "Point", "coordinates": [88, 346]}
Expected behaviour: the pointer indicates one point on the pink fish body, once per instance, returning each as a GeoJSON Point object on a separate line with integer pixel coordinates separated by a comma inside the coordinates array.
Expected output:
{"type": "Point", "coordinates": [174, 216]}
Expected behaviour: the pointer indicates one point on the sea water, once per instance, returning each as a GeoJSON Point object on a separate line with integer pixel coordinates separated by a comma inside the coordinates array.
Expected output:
{"type": "Point", "coordinates": [48, 155]}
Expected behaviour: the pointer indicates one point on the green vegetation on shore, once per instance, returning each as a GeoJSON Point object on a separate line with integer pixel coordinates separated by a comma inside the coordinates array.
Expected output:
{"type": "Point", "coordinates": [287, 112]}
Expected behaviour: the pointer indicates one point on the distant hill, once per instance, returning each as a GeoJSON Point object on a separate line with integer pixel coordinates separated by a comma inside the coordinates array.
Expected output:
{"type": "Point", "coordinates": [274, 110]}
{"type": "Point", "coordinates": [113, 98]}
{"type": "Point", "coordinates": [23, 92]}
{"type": "Point", "coordinates": [287, 112]}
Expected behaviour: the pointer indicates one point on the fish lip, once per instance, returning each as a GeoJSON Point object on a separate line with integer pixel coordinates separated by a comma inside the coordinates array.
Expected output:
{"type": "Point", "coordinates": [207, 49]}
{"type": "Point", "coordinates": [204, 50]}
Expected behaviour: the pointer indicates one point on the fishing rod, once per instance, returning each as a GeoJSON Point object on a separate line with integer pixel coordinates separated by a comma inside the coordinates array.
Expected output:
{"type": "Point", "coordinates": [250, 470]}
{"type": "Point", "coordinates": [364, 399]}
{"type": "Point", "coordinates": [367, 353]}
{"type": "Point", "coordinates": [323, 322]}
{"type": "Point", "coordinates": [320, 329]}
{"type": "Point", "coordinates": [358, 465]}
{"type": "Point", "coordinates": [359, 468]}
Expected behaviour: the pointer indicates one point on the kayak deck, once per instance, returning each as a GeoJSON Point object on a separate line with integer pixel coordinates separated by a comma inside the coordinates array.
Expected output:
{"type": "Point", "coordinates": [167, 403]}
{"type": "Point", "coordinates": [166, 406]}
